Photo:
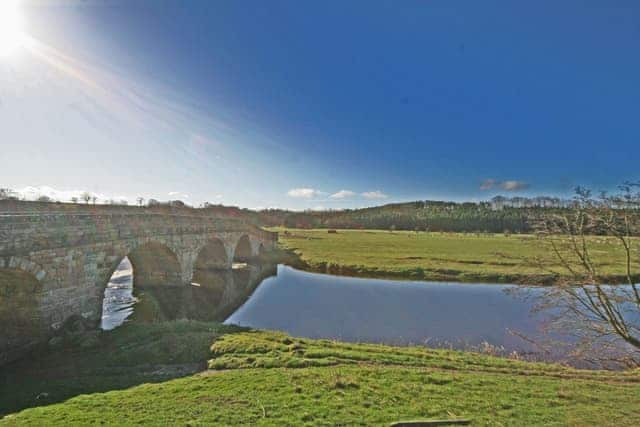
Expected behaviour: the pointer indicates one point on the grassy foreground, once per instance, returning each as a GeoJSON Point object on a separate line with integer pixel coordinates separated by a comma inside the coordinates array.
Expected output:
{"type": "Point", "coordinates": [440, 256]}
{"type": "Point", "coordinates": [268, 378]}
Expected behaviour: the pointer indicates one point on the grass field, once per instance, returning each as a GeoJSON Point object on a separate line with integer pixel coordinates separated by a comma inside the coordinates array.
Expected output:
{"type": "Point", "coordinates": [440, 256]}
{"type": "Point", "coordinates": [268, 378]}
{"type": "Point", "coordinates": [204, 373]}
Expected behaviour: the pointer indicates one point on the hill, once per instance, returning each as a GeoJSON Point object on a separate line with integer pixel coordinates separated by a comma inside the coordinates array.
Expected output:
{"type": "Point", "coordinates": [420, 215]}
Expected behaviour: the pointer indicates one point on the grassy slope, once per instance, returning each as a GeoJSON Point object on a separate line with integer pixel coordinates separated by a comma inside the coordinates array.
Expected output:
{"type": "Point", "coordinates": [130, 355]}
{"type": "Point", "coordinates": [438, 256]}
{"type": "Point", "coordinates": [267, 378]}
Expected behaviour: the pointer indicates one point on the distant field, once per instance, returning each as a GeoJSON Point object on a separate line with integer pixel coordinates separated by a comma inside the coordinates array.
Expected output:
{"type": "Point", "coordinates": [440, 256]}
{"type": "Point", "coordinates": [271, 379]}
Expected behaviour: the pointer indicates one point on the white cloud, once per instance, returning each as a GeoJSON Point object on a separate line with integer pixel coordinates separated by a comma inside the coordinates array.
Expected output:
{"type": "Point", "coordinates": [488, 184]}
{"type": "Point", "coordinates": [35, 192]}
{"type": "Point", "coordinates": [374, 195]}
{"type": "Point", "coordinates": [342, 194]}
{"type": "Point", "coordinates": [514, 185]}
{"type": "Point", "coordinates": [305, 193]}
{"type": "Point", "coordinates": [312, 193]}
{"type": "Point", "coordinates": [510, 185]}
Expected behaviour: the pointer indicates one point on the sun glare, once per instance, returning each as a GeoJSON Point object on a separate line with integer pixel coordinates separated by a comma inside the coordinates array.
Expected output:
{"type": "Point", "coordinates": [11, 27]}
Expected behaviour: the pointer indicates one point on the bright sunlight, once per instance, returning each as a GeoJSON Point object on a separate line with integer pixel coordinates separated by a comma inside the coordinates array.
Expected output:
{"type": "Point", "coordinates": [11, 27]}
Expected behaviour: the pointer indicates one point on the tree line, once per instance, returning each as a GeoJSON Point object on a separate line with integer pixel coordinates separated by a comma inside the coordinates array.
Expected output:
{"type": "Point", "coordinates": [414, 216]}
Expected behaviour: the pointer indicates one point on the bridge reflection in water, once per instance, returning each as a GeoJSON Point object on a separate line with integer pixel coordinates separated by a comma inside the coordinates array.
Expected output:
{"type": "Point", "coordinates": [212, 296]}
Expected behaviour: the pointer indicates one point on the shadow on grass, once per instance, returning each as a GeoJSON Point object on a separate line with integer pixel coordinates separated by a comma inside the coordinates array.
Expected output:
{"type": "Point", "coordinates": [133, 354]}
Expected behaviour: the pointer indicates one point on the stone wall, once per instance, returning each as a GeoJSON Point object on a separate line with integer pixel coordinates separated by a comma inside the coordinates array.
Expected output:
{"type": "Point", "coordinates": [71, 256]}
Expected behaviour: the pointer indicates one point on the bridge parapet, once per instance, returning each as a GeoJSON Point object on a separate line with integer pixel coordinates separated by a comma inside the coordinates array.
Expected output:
{"type": "Point", "coordinates": [25, 233]}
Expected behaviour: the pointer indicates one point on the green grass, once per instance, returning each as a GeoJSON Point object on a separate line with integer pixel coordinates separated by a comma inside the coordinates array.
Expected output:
{"type": "Point", "coordinates": [440, 256]}
{"type": "Point", "coordinates": [133, 354]}
{"type": "Point", "coordinates": [268, 378]}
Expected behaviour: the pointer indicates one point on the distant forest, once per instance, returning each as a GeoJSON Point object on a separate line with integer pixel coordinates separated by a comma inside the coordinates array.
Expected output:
{"type": "Point", "coordinates": [414, 216]}
{"type": "Point", "coordinates": [500, 215]}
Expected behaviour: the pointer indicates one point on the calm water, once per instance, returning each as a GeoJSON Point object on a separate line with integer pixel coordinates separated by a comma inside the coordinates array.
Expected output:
{"type": "Point", "coordinates": [213, 296]}
{"type": "Point", "coordinates": [351, 309]}
{"type": "Point", "coordinates": [389, 311]}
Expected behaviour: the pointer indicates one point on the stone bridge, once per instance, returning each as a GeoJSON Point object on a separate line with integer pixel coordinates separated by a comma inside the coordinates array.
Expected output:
{"type": "Point", "coordinates": [57, 265]}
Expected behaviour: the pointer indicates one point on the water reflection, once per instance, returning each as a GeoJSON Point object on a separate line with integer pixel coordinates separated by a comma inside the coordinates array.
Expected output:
{"type": "Point", "coordinates": [322, 306]}
{"type": "Point", "coordinates": [488, 317]}
{"type": "Point", "coordinates": [458, 315]}
{"type": "Point", "coordinates": [212, 296]}
{"type": "Point", "coordinates": [118, 297]}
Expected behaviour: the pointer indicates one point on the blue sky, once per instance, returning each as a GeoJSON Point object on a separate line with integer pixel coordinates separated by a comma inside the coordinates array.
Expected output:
{"type": "Point", "coordinates": [288, 103]}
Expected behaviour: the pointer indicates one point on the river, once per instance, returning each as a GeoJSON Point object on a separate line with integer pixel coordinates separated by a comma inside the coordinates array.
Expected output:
{"type": "Point", "coordinates": [467, 316]}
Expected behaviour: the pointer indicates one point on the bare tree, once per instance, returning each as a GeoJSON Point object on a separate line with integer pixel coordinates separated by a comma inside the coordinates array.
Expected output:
{"type": "Point", "coordinates": [6, 193]}
{"type": "Point", "coordinates": [86, 196]}
{"type": "Point", "coordinates": [74, 200]}
{"type": "Point", "coordinates": [94, 199]}
{"type": "Point", "coordinates": [140, 201]}
{"type": "Point", "coordinates": [45, 199]}
{"type": "Point", "coordinates": [604, 318]}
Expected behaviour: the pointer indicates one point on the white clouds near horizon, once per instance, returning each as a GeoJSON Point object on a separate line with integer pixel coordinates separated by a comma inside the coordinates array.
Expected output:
{"type": "Point", "coordinates": [312, 193]}
{"type": "Point", "coordinates": [509, 185]}
{"type": "Point", "coordinates": [305, 193]}
{"type": "Point", "coordinates": [514, 185]}
{"type": "Point", "coordinates": [343, 194]}
{"type": "Point", "coordinates": [35, 192]}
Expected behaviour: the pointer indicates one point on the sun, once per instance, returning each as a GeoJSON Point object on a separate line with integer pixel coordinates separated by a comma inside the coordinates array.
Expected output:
{"type": "Point", "coordinates": [11, 27]}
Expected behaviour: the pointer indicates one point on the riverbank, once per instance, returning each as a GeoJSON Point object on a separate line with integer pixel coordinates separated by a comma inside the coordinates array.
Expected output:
{"type": "Point", "coordinates": [133, 354]}
{"type": "Point", "coordinates": [269, 378]}
{"type": "Point", "coordinates": [456, 257]}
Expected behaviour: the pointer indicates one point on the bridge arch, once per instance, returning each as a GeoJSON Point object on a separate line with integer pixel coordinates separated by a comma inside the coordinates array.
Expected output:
{"type": "Point", "coordinates": [146, 273]}
{"type": "Point", "coordinates": [155, 264]}
{"type": "Point", "coordinates": [242, 251]}
{"type": "Point", "coordinates": [210, 269]}
{"type": "Point", "coordinates": [212, 256]}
